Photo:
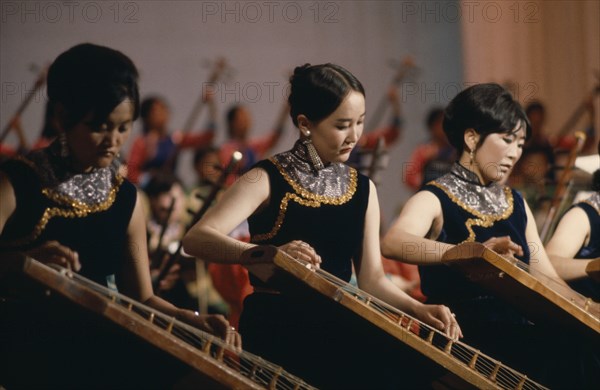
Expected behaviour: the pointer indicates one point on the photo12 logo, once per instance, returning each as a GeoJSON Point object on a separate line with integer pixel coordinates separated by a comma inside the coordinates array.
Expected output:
{"type": "Point", "coordinates": [441, 93]}
{"type": "Point", "coordinates": [270, 11]}
{"type": "Point", "coordinates": [13, 91]}
{"type": "Point", "coordinates": [70, 11]}
{"type": "Point", "coordinates": [247, 92]}
{"type": "Point", "coordinates": [470, 11]}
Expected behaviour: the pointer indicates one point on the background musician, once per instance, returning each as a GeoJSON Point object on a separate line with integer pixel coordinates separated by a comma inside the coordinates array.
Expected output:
{"type": "Point", "coordinates": [239, 123]}
{"type": "Point", "coordinates": [156, 149]}
{"type": "Point", "coordinates": [432, 159]}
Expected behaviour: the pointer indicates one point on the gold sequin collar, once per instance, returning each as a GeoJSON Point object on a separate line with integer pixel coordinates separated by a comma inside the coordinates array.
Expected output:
{"type": "Point", "coordinates": [71, 188]}
{"type": "Point", "coordinates": [464, 187]}
{"type": "Point", "coordinates": [594, 201]}
{"type": "Point", "coordinates": [334, 180]}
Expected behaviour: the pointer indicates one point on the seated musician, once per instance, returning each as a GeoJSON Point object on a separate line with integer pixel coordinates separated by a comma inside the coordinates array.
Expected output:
{"type": "Point", "coordinates": [68, 203]}
{"type": "Point", "coordinates": [432, 159]}
{"type": "Point", "coordinates": [167, 225]}
{"type": "Point", "coordinates": [239, 124]}
{"type": "Point", "coordinates": [576, 242]}
{"type": "Point", "coordinates": [315, 208]}
{"type": "Point", "coordinates": [488, 128]}
{"type": "Point", "coordinates": [156, 149]}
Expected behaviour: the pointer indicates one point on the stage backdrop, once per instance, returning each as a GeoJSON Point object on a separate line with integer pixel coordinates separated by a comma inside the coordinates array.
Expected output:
{"type": "Point", "coordinates": [547, 50]}
{"type": "Point", "coordinates": [174, 42]}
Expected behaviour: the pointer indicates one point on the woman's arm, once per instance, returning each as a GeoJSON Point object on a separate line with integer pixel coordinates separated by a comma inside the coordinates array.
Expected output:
{"type": "Point", "coordinates": [405, 241]}
{"type": "Point", "coordinates": [208, 239]}
{"type": "Point", "coordinates": [134, 281]}
{"type": "Point", "coordinates": [48, 252]}
{"type": "Point", "coordinates": [372, 279]}
{"type": "Point", "coordinates": [8, 201]}
{"type": "Point", "coordinates": [571, 234]}
{"type": "Point", "coordinates": [538, 260]}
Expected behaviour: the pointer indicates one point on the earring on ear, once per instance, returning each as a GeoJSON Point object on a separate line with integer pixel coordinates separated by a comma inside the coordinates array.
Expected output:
{"type": "Point", "coordinates": [307, 133]}
{"type": "Point", "coordinates": [313, 155]}
{"type": "Point", "coordinates": [64, 148]}
{"type": "Point", "coordinates": [472, 156]}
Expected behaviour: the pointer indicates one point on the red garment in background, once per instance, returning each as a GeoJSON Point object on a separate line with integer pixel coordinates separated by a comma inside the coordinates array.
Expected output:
{"type": "Point", "coordinates": [409, 272]}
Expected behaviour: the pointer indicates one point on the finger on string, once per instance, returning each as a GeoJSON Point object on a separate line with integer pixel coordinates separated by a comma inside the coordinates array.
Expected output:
{"type": "Point", "coordinates": [238, 342]}
{"type": "Point", "coordinates": [460, 333]}
{"type": "Point", "coordinates": [519, 250]}
{"type": "Point", "coordinates": [230, 338]}
{"type": "Point", "coordinates": [437, 322]}
{"type": "Point", "coordinates": [70, 258]}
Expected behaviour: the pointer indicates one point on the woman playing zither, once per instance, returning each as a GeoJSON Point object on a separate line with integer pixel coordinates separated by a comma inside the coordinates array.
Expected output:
{"type": "Point", "coordinates": [488, 128]}
{"type": "Point", "coordinates": [576, 243]}
{"type": "Point", "coordinates": [308, 203]}
{"type": "Point", "coordinates": [68, 203]}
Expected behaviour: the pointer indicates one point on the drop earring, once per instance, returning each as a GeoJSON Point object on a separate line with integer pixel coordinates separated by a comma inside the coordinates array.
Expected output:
{"type": "Point", "coordinates": [313, 155]}
{"type": "Point", "coordinates": [64, 148]}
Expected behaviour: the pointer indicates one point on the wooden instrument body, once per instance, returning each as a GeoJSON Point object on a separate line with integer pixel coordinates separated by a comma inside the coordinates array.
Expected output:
{"type": "Point", "coordinates": [533, 296]}
{"type": "Point", "coordinates": [451, 364]}
{"type": "Point", "coordinates": [593, 270]}
{"type": "Point", "coordinates": [129, 346]}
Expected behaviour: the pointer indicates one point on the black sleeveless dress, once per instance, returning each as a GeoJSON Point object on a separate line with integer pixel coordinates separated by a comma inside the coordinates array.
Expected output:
{"type": "Point", "coordinates": [591, 207]}
{"type": "Point", "coordinates": [326, 209]}
{"type": "Point", "coordinates": [312, 338]}
{"type": "Point", "coordinates": [474, 213]}
{"type": "Point", "coordinates": [49, 341]}
{"type": "Point", "coordinates": [88, 212]}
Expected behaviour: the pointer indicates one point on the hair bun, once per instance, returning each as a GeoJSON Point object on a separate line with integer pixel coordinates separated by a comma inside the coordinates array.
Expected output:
{"type": "Point", "coordinates": [299, 72]}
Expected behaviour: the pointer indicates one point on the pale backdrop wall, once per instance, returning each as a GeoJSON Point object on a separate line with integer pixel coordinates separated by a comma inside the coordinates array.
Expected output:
{"type": "Point", "coordinates": [171, 42]}
{"type": "Point", "coordinates": [549, 51]}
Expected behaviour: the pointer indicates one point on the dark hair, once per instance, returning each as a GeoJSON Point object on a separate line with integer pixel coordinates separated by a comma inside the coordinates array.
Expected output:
{"type": "Point", "coordinates": [596, 180]}
{"type": "Point", "coordinates": [535, 106]}
{"type": "Point", "coordinates": [202, 152]}
{"type": "Point", "coordinates": [231, 113]}
{"type": "Point", "coordinates": [160, 183]}
{"type": "Point", "coordinates": [49, 130]}
{"type": "Point", "coordinates": [318, 90]}
{"type": "Point", "coordinates": [230, 116]}
{"type": "Point", "coordinates": [89, 78]}
{"type": "Point", "coordinates": [433, 116]}
{"type": "Point", "coordinates": [486, 108]}
{"type": "Point", "coordinates": [146, 107]}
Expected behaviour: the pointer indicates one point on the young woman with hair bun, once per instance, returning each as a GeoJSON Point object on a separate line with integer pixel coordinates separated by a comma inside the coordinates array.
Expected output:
{"type": "Point", "coordinates": [312, 206]}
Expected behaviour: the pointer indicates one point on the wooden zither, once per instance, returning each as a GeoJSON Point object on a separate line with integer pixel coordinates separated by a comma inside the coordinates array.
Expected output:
{"type": "Point", "coordinates": [193, 357]}
{"type": "Point", "coordinates": [454, 364]}
{"type": "Point", "coordinates": [593, 269]}
{"type": "Point", "coordinates": [533, 293]}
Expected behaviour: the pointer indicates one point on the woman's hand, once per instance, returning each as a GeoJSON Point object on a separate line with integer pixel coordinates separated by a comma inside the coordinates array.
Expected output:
{"type": "Point", "coordinates": [214, 324]}
{"type": "Point", "coordinates": [441, 318]}
{"type": "Point", "coordinates": [504, 246]}
{"type": "Point", "coordinates": [300, 250]}
{"type": "Point", "coordinates": [54, 252]}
